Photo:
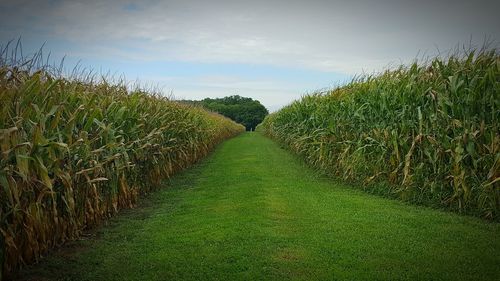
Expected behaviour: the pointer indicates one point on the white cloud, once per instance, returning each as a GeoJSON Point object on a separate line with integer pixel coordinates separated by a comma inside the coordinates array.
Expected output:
{"type": "Point", "coordinates": [322, 35]}
{"type": "Point", "coordinates": [331, 36]}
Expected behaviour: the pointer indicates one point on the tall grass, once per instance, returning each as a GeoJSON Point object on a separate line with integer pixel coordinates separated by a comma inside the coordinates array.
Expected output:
{"type": "Point", "coordinates": [75, 151]}
{"type": "Point", "coordinates": [426, 133]}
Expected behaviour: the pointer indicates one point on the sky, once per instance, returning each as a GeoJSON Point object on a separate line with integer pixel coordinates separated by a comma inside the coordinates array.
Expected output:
{"type": "Point", "coordinates": [273, 51]}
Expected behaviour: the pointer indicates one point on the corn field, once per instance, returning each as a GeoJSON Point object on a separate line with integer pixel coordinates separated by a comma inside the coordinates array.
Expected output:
{"type": "Point", "coordinates": [75, 152]}
{"type": "Point", "coordinates": [426, 133]}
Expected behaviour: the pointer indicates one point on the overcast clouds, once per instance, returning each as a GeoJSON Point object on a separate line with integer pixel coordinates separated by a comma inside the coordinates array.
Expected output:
{"type": "Point", "coordinates": [279, 49]}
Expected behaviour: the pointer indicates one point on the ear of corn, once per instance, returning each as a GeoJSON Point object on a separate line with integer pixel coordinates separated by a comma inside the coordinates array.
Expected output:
{"type": "Point", "coordinates": [73, 153]}
{"type": "Point", "coordinates": [425, 133]}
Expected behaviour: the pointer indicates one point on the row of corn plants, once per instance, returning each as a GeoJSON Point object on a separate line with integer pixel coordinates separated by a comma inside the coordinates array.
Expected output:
{"type": "Point", "coordinates": [75, 152]}
{"type": "Point", "coordinates": [426, 133]}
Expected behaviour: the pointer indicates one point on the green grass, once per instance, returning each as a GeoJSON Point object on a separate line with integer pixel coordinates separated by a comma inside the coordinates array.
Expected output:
{"type": "Point", "coordinates": [253, 211]}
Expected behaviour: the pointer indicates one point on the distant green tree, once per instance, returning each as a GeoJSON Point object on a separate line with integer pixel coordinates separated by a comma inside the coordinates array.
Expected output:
{"type": "Point", "coordinates": [245, 111]}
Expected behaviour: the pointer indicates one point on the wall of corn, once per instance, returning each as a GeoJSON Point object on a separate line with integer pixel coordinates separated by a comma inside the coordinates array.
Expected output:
{"type": "Point", "coordinates": [423, 133]}
{"type": "Point", "coordinates": [74, 153]}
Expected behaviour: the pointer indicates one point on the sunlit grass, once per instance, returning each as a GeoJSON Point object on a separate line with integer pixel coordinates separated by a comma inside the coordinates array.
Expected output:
{"type": "Point", "coordinates": [253, 211]}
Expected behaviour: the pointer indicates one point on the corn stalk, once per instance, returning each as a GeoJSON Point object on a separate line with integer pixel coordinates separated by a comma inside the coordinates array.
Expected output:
{"type": "Point", "coordinates": [426, 133]}
{"type": "Point", "coordinates": [74, 152]}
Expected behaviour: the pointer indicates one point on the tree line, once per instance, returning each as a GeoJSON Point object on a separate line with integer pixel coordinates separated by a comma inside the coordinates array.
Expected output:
{"type": "Point", "coordinates": [246, 111]}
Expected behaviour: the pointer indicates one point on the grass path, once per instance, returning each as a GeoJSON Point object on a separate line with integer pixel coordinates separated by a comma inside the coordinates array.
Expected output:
{"type": "Point", "coordinates": [252, 211]}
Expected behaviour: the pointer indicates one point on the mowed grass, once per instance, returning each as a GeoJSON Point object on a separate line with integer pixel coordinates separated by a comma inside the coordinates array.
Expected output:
{"type": "Point", "coordinates": [252, 211]}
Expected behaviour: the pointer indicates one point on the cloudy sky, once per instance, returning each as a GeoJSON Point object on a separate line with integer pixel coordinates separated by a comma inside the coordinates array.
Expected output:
{"type": "Point", "coordinates": [274, 51]}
